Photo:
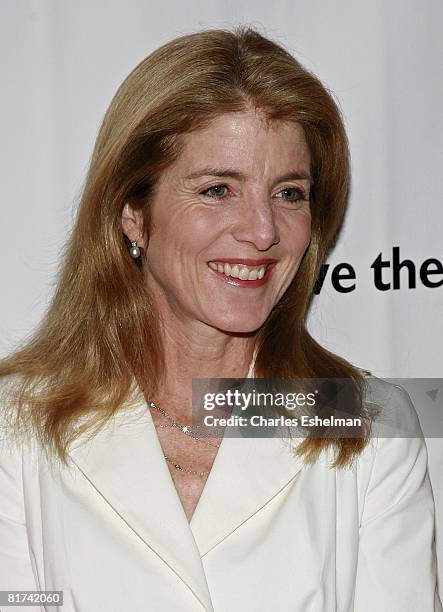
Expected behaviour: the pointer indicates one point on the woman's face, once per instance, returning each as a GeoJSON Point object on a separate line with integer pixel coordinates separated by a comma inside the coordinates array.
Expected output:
{"type": "Point", "coordinates": [230, 222]}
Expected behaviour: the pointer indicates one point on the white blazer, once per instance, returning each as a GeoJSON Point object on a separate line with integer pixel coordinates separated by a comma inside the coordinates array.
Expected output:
{"type": "Point", "coordinates": [269, 533]}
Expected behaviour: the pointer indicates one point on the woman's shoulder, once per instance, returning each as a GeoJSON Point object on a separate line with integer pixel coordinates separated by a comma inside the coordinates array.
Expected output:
{"type": "Point", "coordinates": [391, 409]}
{"type": "Point", "coordinates": [393, 468]}
{"type": "Point", "coordinates": [395, 432]}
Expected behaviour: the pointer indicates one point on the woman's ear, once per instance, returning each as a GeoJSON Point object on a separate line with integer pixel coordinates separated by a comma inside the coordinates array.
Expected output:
{"type": "Point", "coordinates": [132, 225]}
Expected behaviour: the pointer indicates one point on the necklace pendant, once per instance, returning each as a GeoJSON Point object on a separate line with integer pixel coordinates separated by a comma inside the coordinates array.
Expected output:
{"type": "Point", "coordinates": [186, 429]}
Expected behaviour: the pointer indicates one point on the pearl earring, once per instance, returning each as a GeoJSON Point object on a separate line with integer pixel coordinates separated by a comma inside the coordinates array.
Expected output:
{"type": "Point", "coordinates": [134, 250]}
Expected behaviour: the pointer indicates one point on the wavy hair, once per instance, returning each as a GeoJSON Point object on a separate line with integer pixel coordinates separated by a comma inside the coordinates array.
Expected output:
{"type": "Point", "coordinates": [100, 334]}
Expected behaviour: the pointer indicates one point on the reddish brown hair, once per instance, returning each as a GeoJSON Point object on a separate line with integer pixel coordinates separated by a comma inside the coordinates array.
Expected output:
{"type": "Point", "coordinates": [100, 334]}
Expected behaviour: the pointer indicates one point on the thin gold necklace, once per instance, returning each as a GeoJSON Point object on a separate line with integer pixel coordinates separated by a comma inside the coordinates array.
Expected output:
{"type": "Point", "coordinates": [188, 430]}
{"type": "Point", "coordinates": [177, 466]}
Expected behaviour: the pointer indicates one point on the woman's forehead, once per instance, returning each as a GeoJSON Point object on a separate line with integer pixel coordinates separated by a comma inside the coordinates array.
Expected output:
{"type": "Point", "coordinates": [242, 139]}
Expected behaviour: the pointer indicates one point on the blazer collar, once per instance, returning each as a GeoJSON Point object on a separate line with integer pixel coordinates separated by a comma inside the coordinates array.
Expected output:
{"type": "Point", "coordinates": [124, 462]}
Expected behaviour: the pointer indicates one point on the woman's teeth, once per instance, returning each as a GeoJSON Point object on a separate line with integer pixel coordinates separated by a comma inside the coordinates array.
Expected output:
{"type": "Point", "coordinates": [241, 272]}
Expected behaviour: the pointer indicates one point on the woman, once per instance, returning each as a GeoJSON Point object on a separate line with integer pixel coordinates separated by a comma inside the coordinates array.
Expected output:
{"type": "Point", "coordinates": [217, 185]}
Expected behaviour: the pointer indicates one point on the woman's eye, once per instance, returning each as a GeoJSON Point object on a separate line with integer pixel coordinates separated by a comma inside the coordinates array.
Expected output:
{"type": "Point", "coordinates": [216, 191]}
{"type": "Point", "coordinates": [293, 194]}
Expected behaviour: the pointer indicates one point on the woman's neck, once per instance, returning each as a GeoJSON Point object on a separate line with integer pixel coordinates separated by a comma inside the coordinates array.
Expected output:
{"type": "Point", "coordinates": [199, 351]}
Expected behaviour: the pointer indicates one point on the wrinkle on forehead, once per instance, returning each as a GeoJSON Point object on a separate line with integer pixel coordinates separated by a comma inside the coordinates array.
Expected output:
{"type": "Point", "coordinates": [244, 138]}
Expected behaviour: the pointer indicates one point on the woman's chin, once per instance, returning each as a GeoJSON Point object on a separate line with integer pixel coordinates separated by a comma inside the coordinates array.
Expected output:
{"type": "Point", "coordinates": [238, 324]}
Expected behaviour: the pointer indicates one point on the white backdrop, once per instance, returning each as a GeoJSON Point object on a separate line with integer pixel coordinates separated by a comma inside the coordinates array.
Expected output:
{"type": "Point", "coordinates": [62, 62]}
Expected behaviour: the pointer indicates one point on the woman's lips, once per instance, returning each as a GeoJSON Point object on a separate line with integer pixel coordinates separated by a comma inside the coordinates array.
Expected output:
{"type": "Point", "coordinates": [246, 262]}
{"type": "Point", "coordinates": [251, 263]}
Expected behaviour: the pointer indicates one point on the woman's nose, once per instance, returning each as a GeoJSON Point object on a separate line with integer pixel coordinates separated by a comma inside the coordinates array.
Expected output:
{"type": "Point", "coordinates": [256, 223]}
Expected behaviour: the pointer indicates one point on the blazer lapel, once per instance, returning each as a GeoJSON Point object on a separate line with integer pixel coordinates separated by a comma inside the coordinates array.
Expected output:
{"type": "Point", "coordinates": [124, 462]}
{"type": "Point", "coordinates": [246, 475]}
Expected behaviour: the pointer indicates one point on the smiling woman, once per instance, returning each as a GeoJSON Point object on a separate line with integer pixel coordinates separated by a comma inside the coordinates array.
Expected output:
{"type": "Point", "coordinates": [217, 185]}
{"type": "Point", "coordinates": [209, 236]}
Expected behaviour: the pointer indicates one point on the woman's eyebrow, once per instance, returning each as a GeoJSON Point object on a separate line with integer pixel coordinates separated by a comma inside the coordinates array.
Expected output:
{"type": "Point", "coordinates": [210, 171]}
{"type": "Point", "coordinates": [228, 172]}
{"type": "Point", "coordinates": [295, 176]}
